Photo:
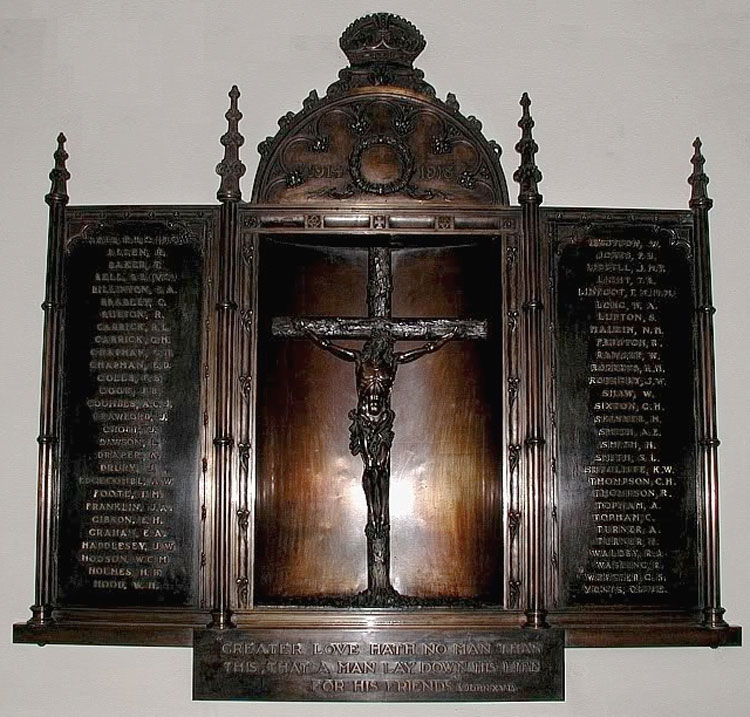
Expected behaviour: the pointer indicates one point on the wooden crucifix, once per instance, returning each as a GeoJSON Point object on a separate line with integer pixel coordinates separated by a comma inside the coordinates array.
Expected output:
{"type": "Point", "coordinates": [371, 429]}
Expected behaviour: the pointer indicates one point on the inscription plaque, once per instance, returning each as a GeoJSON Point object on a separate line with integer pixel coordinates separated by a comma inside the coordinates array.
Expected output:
{"type": "Point", "coordinates": [130, 461]}
{"type": "Point", "coordinates": [625, 378]}
{"type": "Point", "coordinates": [378, 665]}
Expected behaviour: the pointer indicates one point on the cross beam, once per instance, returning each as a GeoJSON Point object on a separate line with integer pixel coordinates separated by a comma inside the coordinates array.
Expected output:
{"type": "Point", "coordinates": [399, 329]}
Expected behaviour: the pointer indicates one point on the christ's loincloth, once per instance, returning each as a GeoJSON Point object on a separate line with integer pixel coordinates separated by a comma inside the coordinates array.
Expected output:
{"type": "Point", "coordinates": [371, 436]}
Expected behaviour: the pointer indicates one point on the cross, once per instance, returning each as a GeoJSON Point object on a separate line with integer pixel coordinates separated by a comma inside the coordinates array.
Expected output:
{"type": "Point", "coordinates": [371, 430]}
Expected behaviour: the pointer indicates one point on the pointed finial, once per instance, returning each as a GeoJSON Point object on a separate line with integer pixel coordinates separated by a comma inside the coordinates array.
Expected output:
{"type": "Point", "coordinates": [698, 180]}
{"type": "Point", "coordinates": [231, 168]}
{"type": "Point", "coordinates": [60, 175]}
{"type": "Point", "coordinates": [527, 175]}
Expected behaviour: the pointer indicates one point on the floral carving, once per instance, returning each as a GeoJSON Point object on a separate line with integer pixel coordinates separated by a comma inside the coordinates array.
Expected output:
{"type": "Point", "coordinates": [511, 256]}
{"type": "Point", "coordinates": [514, 522]}
{"type": "Point", "coordinates": [243, 519]}
{"type": "Point", "coordinates": [514, 592]}
{"type": "Point", "coordinates": [242, 590]}
{"type": "Point", "coordinates": [265, 147]}
{"type": "Point", "coordinates": [245, 386]}
{"type": "Point", "coordinates": [321, 143]}
{"type": "Point", "coordinates": [286, 120]}
{"type": "Point", "coordinates": [443, 144]}
{"type": "Point", "coordinates": [404, 119]}
{"type": "Point", "coordinates": [247, 248]}
{"type": "Point", "coordinates": [514, 454]}
{"type": "Point", "coordinates": [294, 178]}
{"type": "Point", "coordinates": [513, 383]}
{"type": "Point", "coordinates": [311, 101]}
{"type": "Point", "coordinates": [359, 124]}
{"type": "Point", "coordinates": [246, 319]}
{"type": "Point", "coordinates": [244, 453]}
{"type": "Point", "coordinates": [467, 179]}
{"type": "Point", "coordinates": [474, 123]}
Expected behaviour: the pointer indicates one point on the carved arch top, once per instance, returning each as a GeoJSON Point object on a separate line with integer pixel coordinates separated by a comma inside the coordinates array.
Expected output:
{"type": "Point", "coordinates": [380, 135]}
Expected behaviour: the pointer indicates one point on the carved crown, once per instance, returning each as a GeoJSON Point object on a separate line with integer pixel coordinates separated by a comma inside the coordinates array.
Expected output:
{"type": "Point", "coordinates": [382, 38]}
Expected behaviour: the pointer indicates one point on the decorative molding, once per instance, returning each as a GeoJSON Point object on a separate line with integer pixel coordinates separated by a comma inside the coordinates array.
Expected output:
{"type": "Point", "coordinates": [680, 241]}
{"type": "Point", "coordinates": [514, 523]}
{"type": "Point", "coordinates": [247, 252]}
{"type": "Point", "coordinates": [243, 519]}
{"type": "Point", "coordinates": [514, 456]}
{"type": "Point", "coordinates": [514, 593]}
{"type": "Point", "coordinates": [246, 386]}
{"type": "Point", "coordinates": [513, 384]}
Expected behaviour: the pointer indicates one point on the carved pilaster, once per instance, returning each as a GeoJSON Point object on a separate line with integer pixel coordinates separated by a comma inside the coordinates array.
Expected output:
{"type": "Point", "coordinates": [708, 442]}
{"type": "Point", "coordinates": [528, 176]}
{"type": "Point", "coordinates": [246, 370]}
{"type": "Point", "coordinates": [48, 440]}
{"type": "Point", "coordinates": [230, 169]}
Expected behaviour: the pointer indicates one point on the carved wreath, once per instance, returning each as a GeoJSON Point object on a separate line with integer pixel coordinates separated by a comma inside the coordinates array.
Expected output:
{"type": "Point", "coordinates": [405, 163]}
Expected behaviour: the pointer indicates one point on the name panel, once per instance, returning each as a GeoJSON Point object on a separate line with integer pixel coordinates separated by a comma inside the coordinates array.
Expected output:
{"type": "Point", "coordinates": [378, 665]}
{"type": "Point", "coordinates": [625, 411]}
{"type": "Point", "coordinates": [130, 462]}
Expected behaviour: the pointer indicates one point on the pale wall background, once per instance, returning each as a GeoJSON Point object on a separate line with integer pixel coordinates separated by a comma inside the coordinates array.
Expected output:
{"type": "Point", "coordinates": [620, 89]}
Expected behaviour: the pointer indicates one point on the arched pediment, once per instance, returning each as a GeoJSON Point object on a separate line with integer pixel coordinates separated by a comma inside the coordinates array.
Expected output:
{"type": "Point", "coordinates": [380, 135]}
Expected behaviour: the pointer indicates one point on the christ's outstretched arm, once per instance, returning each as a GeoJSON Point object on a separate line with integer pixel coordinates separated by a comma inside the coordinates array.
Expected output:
{"type": "Point", "coordinates": [335, 349]}
{"type": "Point", "coordinates": [428, 348]}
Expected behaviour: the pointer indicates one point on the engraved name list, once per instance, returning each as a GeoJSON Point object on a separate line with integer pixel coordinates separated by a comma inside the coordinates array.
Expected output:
{"type": "Point", "coordinates": [626, 365]}
{"type": "Point", "coordinates": [131, 420]}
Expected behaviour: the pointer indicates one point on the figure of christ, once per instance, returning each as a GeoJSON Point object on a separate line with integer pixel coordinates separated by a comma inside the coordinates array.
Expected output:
{"type": "Point", "coordinates": [371, 436]}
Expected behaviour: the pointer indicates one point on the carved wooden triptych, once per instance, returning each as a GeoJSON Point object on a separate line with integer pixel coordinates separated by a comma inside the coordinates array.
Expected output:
{"type": "Point", "coordinates": [378, 396]}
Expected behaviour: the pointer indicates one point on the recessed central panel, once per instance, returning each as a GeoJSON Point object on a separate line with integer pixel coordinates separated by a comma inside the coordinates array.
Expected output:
{"type": "Point", "coordinates": [380, 164]}
{"type": "Point", "coordinates": [379, 461]}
